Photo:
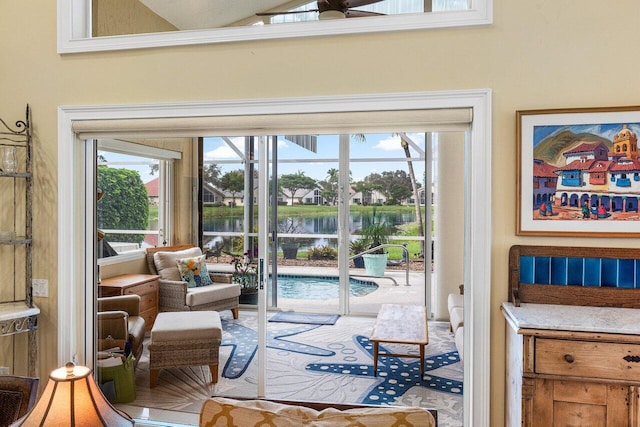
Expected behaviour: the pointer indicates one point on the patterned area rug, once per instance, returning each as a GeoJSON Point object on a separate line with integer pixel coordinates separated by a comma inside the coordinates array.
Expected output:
{"type": "Point", "coordinates": [328, 363]}
{"type": "Point", "coordinates": [308, 318]}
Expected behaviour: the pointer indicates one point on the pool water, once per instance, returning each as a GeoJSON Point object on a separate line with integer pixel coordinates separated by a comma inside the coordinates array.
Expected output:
{"type": "Point", "coordinates": [319, 287]}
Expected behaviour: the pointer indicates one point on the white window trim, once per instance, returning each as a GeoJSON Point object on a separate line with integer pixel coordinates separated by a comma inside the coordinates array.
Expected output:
{"type": "Point", "coordinates": [140, 150]}
{"type": "Point", "coordinates": [165, 188]}
{"type": "Point", "coordinates": [74, 23]}
{"type": "Point", "coordinates": [125, 257]}
{"type": "Point", "coordinates": [73, 335]}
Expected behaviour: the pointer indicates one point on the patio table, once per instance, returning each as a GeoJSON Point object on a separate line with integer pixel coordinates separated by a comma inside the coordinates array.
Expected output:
{"type": "Point", "coordinates": [400, 324]}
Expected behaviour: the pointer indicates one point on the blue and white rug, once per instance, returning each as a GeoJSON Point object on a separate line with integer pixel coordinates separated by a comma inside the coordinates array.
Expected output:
{"type": "Point", "coordinates": [318, 363]}
{"type": "Point", "coordinates": [304, 318]}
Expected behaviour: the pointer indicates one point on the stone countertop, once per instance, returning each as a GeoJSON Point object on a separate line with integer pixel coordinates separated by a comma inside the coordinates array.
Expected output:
{"type": "Point", "coordinates": [573, 318]}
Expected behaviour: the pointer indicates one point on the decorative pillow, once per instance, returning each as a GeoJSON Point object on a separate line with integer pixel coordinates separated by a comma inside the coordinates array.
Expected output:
{"type": "Point", "coordinates": [219, 411]}
{"type": "Point", "coordinates": [223, 412]}
{"type": "Point", "coordinates": [194, 271]}
{"type": "Point", "coordinates": [165, 262]}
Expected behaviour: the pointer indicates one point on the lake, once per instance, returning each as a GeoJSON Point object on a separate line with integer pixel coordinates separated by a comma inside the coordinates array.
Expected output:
{"type": "Point", "coordinates": [321, 224]}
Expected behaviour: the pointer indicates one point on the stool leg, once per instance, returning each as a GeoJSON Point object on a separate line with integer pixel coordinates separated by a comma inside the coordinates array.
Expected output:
{"type": "Point", "coordinates": [214, 373]}
{"type": "Point", "coordinates": [235, 312]}
{"type": "Point", "coordinates": [153, 377]}
{"type": "Point", "coordinates": [375, 358]}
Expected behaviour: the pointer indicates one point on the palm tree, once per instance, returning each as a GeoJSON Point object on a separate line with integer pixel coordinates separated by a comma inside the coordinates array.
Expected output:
{"type": "Point", "coordinates": [414, 185]}
{"type": "Point", "coordinates": [412, 175]}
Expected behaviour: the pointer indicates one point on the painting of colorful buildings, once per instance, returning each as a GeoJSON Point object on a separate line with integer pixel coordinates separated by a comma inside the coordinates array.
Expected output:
{"type": "Point", "coordinates": [586, 172]}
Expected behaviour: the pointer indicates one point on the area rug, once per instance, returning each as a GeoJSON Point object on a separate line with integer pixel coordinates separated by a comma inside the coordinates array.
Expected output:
{"type": "Point", "coordinates": [304, 318]}
{"type": "Point", "coordinates": [326, 363]}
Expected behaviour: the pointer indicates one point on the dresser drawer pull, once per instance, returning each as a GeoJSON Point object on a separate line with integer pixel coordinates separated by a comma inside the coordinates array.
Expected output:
{"type": "Point", "coordinates": [569, 358]}
{"type": "Point", "coordinates": [635, 359]}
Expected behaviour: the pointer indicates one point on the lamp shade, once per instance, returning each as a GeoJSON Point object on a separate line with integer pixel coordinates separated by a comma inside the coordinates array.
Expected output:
{"type": "Point", "coordinates": [72, 398]}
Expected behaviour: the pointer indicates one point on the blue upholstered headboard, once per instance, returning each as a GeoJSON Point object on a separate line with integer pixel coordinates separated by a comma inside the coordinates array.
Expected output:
{"type": "Point", "coordinates": [575, 275]}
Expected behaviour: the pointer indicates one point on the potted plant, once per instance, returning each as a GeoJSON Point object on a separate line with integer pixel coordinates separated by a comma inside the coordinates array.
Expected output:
{"type": "Point", "coordinates": [357, 247]}
{"type": "Point", "coordinates": [245, 274]}
{"type": "Point", "coordinates": [376, 233]}
{"type": "Point", "coordinates": [290, 247]}
{"type": "Point", "coordinates": [290, 250]}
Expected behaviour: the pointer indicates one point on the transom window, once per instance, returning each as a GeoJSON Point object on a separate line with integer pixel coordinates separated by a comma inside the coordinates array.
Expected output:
{"type": "Point", "coordinates": [170, 23]}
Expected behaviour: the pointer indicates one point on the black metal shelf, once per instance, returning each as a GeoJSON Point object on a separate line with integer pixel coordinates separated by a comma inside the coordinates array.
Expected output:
{"type": "Point", "coordinates": [20, 316]}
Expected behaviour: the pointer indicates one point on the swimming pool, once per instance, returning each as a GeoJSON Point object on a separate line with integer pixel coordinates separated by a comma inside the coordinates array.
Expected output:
{"type": "Point", "coordinates": [319, 287]}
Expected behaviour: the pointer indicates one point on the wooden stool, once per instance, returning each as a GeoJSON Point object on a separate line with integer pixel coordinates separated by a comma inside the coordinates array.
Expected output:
{"type": "Point", "coordinates": [185, 338]}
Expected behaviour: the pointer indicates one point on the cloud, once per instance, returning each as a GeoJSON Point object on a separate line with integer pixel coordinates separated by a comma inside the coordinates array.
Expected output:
{"type": "Point", "coordinates": [224, 151]}
{"type": "Point", "coordinates": [391, 143]}
{"type": "Point", "coordinates": [418, 138]}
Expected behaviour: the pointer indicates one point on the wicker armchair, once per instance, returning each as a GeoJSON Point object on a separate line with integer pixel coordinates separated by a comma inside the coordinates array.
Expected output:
{"type": "Point", "coordinates": [17, 396]}
{"type": "Point", "coordinates": [175, 295]}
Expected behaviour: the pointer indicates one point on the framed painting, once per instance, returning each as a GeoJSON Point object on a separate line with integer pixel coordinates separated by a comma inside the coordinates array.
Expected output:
{"type": "Point", "coordinates": [579, 172]}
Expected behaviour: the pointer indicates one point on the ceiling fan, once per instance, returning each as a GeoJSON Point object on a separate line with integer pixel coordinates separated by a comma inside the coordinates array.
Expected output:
{"type": "Point", "coordinates": [333, 9]}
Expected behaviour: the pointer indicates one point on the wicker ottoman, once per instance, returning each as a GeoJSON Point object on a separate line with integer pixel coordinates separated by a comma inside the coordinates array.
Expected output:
{"type": "Point", "coordinates": [185, 338]}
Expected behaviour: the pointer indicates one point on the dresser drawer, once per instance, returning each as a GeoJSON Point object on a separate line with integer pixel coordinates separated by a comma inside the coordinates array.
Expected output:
{"type": "Point", "coordinates": [149, 317]}
{"type": "Point", "coordinates": [587, 359]}
{"type": "Point", "coordinates": [142, 288]}
{"type": "Point", "coordinates": [148, 301]}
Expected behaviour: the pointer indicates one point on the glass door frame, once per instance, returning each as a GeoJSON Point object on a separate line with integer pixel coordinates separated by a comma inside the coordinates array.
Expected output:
{"type": "Point", "coordinates": [74, 217]}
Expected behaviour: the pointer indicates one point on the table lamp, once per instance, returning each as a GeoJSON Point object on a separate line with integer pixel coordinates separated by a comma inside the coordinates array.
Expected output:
{"type": "Point", "coordinates": [72, 398]}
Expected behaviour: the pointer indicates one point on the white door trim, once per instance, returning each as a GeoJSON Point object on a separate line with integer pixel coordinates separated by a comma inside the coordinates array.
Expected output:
{"type": "Point", "coordinates": [72, 274]}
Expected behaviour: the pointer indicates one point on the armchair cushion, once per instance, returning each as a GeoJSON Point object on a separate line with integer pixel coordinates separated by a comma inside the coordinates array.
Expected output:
{"type": "Point", "coordinates": [166, 262]}
{"type": "Point", "coordinates": [215, 292]}
{"type": "Point", "coordinates": [194, 271]}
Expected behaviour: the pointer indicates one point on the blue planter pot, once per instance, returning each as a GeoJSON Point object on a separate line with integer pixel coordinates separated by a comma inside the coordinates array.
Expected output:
{"type": "Point", "coordinates": [249, 298]}
{"type": "Point", "coordinates": [358, 262]}
{"type": "Point", "coordinates": [375, 264]}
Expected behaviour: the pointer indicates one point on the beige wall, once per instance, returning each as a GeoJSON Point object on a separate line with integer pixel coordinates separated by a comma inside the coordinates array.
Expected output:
{"type": "Point", "coordinates": [537, 54]}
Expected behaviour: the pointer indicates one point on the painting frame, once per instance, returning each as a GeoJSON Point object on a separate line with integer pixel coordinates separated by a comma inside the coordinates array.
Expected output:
{"type": "Point", "coordinates": [592, 196]}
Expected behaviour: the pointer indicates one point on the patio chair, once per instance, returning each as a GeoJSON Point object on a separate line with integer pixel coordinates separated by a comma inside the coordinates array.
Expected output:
{"type": "Point", "coordinates": [176, 295]}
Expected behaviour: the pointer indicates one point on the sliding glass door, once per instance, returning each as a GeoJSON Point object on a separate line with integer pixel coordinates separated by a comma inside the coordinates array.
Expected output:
{"type": "Point", "coordinates": [328, 199]}
{"type": "Point", "coordinates": [387, 217]}
{"type": "Point", "coordinates": [304, 223]}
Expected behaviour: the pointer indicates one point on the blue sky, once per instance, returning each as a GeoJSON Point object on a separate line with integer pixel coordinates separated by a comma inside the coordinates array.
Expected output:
{"type": "Point", "coordinates": [605, 130]}
{"type": "Point", "coordinates": [375, 146]}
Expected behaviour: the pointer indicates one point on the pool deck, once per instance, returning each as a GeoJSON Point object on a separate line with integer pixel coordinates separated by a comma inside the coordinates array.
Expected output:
{"type": "Point", "coordinates": [387, 292]}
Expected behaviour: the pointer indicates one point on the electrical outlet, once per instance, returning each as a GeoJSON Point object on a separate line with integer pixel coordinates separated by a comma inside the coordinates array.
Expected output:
{"type": "Point", "coordinates": [4, 370]}
{"type": "Point", "coordinates": [40, 287]}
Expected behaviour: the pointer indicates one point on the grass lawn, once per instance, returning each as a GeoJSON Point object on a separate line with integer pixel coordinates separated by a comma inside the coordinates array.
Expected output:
{"type": "Point", "coordinates": [153, 214]}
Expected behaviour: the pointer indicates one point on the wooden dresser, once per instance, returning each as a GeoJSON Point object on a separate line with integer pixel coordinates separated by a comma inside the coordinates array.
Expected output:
{"type": "Point", "coordinates": [145, 285]}
{"type": "Point", "coordinates": [573, 349]}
